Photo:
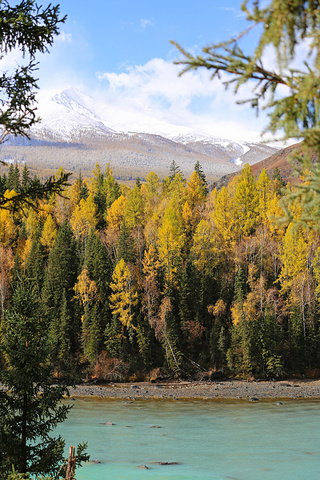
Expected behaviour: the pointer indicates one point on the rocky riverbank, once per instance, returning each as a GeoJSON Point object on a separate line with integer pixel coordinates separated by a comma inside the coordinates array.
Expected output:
{"type": "Point", "coordinates": [223, 389]}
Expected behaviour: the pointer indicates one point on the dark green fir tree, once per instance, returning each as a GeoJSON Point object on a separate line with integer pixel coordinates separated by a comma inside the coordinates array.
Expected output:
{"type": "Point", "coordinates": [202, 176]}
{"type": "Point", "coordinates": [57, 293]}
{"type": "Point", "coordinates": [84, 191]}
{"type": "Point", "coordinates": [25, 179]}
{"type": "Point", "coordinates": [10, 179]}
{"type": "Point", "coordinates": [16, 179]}
{"type": "Point", "coordinates": [174, 170]}
{"type": "Point", "coordinates": [30, 402]}
{"type": "Point", "coordinates": [3, 183]}
{"type": "Point", "coordinates": [126, 244]}
{"type": "Point", "coordinates": [34, 267]}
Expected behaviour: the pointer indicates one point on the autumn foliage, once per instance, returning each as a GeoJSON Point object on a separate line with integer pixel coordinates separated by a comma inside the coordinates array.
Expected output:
{"type": "Point", "coordinates": [165, 275]}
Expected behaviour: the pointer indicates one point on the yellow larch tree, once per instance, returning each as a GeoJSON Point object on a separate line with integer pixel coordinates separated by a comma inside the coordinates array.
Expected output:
{"type": "Point", "coordinates": [195, 197]}
{"type": "Point", "coordinates": [171, 239]}
{"type": "Point", "coordinates": [134, 219]}
{"type": "Point", "coordinates": [174, 186]}
{"type": "Point", "coordinates": [154, 220]}
{"type": "Point", "coordinates": [265, 193]}
{"type": "Point", "coordinates": [123, 296]}
{"type": "Point", "coordinates": [246, 201]}
{"type": "Point", "coordinates": [134, 208]}
{"type": "Point", "coordinates": [49, 233]}
{"type": "Point", "coordinates": [150, 267]}
{"type": "Point", "coordinates": [223, 214]}
{"type": "Point", "coordinates": [295, 277]}
{"type": "Point", "coordinates": [274, 214]}
{"type": "Point", "coordinates": [8, 228]}
{"type": "Point", "coordinates": [86, 292]}
{"type": "Point", "coordinates": [6, 266]}
{"type": "Point", "coordinates": [114, 218]}
{"type": "Point", "coordinates": [195, 192]}
{"type": "Point", "coordinates": [74, 194]}
{"type": "Point", "coordinates": [96, 182]}
{"type": "Point", "coordinates": [189, 220]}
{"type": "Point", "coordinates": [85, 289]}
{"type": "Point", "coordinates": [115, 213]}
{"type": "Point", "coordinates": [83, 218]}
{"type": "Point", "coordinates": [24, 252]}
{"type": "Point", "coordinates": [294, 255]}
{"type": "Point", "coordinates": [151, 192]}
{"type": "Point", "coordinates": [204, 249]}
{"type": "Point", "coordinates": [31, 222]}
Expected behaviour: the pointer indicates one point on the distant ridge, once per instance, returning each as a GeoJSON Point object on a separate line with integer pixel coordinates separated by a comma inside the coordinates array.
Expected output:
{"type": "Point", "coordinates": [279, 160]}
{"type": "Point", "coordinates": [76, 131]}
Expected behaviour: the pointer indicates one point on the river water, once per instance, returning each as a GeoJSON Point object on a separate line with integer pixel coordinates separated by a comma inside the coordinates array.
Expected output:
{"type": "Point", "coordinates": [210, 439]}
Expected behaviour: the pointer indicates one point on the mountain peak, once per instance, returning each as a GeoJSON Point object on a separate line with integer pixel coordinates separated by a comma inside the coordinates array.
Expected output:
{"type": "Point", "coordinates": [73, 99]}
{"type": "Point", "coordinates": [132, 139]}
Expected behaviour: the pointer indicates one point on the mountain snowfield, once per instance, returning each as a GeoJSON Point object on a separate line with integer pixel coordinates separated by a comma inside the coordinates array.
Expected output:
{"type": "Point", "coordinates": [80, 129]}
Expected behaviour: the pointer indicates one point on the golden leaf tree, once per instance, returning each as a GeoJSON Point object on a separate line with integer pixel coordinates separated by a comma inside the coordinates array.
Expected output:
{"type": "Point", "coordinates": [83, 218]}
{"type": "Point", "coordinates": [123, 297]}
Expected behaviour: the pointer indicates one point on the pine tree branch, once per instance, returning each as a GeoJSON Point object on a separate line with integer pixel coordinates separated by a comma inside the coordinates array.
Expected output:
{"type": "Point", "coordinates": [36, 191]}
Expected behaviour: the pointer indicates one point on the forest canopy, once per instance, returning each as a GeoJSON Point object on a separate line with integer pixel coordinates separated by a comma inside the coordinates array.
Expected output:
{"type": "Point", "coordinates": [167, 279]}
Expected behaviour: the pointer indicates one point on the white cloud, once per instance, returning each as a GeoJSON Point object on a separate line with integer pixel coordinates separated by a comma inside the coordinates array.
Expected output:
{"type": "Point", "coordinates": [302, 54]}
{"type": "Point", "coordinates": [236, 11]}
{"type": "Point", "coordinates": [144, 23]}
{"type": "Point", "coordinates": [193, 100]}
{"type": "Point", "coordinates": [160, 78]}
{"type": "Point", "coordinates": [15, 57]}
{"type": "Point", "coordinates": [64, 37]}
{"type": "Point", "coordinates": [12, 60]}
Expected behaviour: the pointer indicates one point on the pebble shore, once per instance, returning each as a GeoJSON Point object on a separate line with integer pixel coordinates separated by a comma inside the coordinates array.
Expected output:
{"type": "Point", "coordinates": [223, 389]}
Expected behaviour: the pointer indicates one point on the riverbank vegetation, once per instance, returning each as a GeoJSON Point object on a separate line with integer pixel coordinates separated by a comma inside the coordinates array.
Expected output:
{"type": "Point", "coordinates": [165, 278]}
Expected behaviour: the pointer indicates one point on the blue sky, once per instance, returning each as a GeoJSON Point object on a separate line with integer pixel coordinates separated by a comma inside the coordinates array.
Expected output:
{"type": "Point", "coordinates": [109, 35]}
{"type": "Point", "coordinates": [119, 51]}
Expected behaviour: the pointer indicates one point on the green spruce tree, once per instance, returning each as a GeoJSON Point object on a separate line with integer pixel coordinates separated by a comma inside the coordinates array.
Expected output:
{"type": "Point", "coordinates": [57, 296]}
{"type": "Point", "coordinates": [202, 176]}
{"type": "Point", "coordinates": [30, 403]}
{"type": "Point", "coordinates": [25, 179]}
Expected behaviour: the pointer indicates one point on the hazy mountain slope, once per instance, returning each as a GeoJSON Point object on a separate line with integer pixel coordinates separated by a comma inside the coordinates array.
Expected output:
{"type": "Point", "coordinates": [76, 131]}
{"type": "Point", "coordinates": [279, 160]}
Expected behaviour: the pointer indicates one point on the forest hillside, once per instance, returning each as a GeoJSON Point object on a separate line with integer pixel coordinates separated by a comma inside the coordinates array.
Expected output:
{"type": "Point", "coordinates": [165, 278]}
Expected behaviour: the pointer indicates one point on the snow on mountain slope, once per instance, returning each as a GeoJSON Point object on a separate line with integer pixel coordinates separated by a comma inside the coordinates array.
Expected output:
{"type": "Point", "coordinates": [71, 113]}
{"type": "Point", "coordinates": [79, 130]}
{"type": "Point", "coordinates": [67, 118]}
{"type": "Point", "coordinates": [73, 100]}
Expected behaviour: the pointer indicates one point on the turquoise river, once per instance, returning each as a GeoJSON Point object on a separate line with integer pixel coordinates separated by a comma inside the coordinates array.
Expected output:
{"type": "Point", "coordinates": [208, 439]}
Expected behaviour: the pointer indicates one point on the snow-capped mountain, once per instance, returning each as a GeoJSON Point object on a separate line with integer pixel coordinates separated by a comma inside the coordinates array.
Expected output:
{"type": "Point", "coordinates": [69, 117]}
{"type": "Point", "coordinates": [76, 126]}
{"type": "Point", "coordinates": [82, 113]}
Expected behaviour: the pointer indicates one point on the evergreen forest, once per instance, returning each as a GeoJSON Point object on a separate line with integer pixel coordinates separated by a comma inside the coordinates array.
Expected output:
{"type": "Point", "coordinates": [166, 279]}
